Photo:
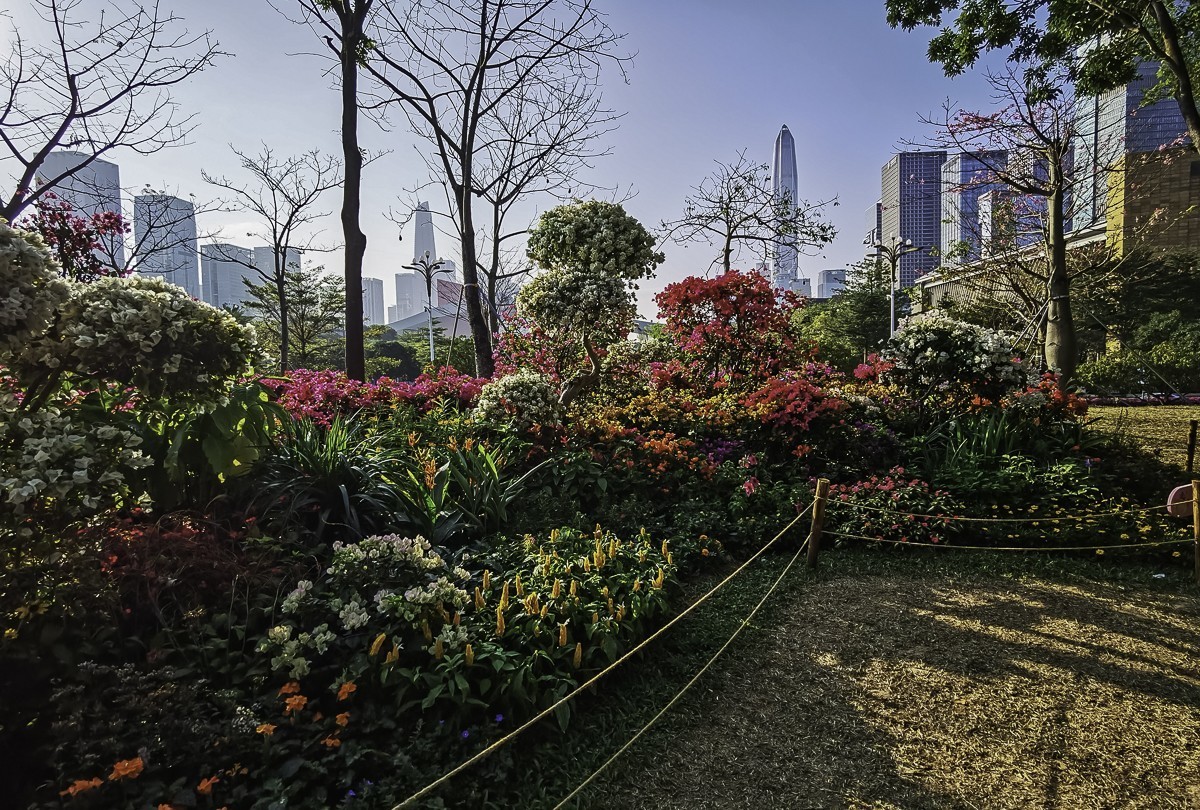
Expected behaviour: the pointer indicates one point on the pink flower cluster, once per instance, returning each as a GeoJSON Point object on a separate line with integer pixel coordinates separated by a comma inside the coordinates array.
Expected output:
{"type": "Point", "coordinates": [322, 395]}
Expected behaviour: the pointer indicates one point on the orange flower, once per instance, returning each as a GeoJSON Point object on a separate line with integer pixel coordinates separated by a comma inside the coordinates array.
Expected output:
{"type": "Point", "coordinates": [347, 689]}
{"type": "Point", "coordinates": [81, 786]}
{"type": "Point", "coordinates": [295, 703]}
{"type": "Point", "coordinates": [266, 729]}
{"type": "Point", "coordinates": [126, 769]}
{"type": "Point", "coordinates": [165, 807]}
{"type": "Point", "coordinates": [206, 785]}
{"type": "Point", "coordinates": [343, 719]}
{"type": "Point", "coordinates": [318, 717]}
{"type": "Point", "coordinates": [331, 742]}
{"type": "Point", "coordinates": [290, 688]}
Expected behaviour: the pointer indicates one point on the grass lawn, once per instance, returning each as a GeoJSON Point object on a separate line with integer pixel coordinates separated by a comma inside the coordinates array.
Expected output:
{"type": "Point", "coordinates": [907, 680]}
{"type": "Point", "coordinates": [1161, 429]}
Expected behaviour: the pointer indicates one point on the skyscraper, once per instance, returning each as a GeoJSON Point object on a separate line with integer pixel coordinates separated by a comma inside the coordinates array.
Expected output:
{"type": "Point", "coordinates": [90, 189]}
{"type": "Point", "coordinates": [912, 209]}
{"type": "Point", "coordinates": [831, 282]}
{"type": "Point", "coordinates": [372, 301]}
{"type": "Point", "coordinates": [165, 236]}
{"type": "Point", "coordinates": [423, 233]}
{"type": "Point", "coordinates": [786, 188]}
{"type": "Point", "coordinates": [224, 269]}
{"type": "Point", "coordinates": [263, 259]}
{"type": "Point", "coordinates": [965, 177]}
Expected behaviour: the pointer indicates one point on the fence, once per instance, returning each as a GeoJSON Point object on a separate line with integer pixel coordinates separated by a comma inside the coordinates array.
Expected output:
{"type": "Point", "coordinates": [811, 546]}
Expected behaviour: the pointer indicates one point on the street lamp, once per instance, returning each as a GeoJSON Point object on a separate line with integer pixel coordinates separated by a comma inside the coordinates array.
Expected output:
{"type": "Point", "coordinates": [428, 267]}
{"type": "Point", "coordinates": [892, 252]}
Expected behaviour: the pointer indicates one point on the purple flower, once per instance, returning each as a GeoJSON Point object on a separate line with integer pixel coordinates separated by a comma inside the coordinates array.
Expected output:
{"type": "Point", "coordinates": [499, 718]}
{"type": "Point", "coordinates": [465, 734]}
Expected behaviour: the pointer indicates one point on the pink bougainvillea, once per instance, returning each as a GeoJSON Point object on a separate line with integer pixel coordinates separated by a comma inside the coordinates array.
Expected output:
{"type": "Point", "coordinates": [321, 395]}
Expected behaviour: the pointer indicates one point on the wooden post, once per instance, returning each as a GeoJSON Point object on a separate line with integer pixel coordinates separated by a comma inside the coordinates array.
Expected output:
{"type": "Point", "coordinates": [1195, 524]}
{"type": "Point", "coordinates": [818, 521]}
{"type": "Point", "coordinates": [1191, 462]}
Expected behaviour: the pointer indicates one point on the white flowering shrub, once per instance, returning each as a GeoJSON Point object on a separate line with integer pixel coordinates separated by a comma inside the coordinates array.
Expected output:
{"type": "Point", "coordinates": [31, 291]}
{"type": "Point", "coordinates": [52, 459]}
{"type": "Point", "coordinates": [575, 302]}
{"type": "Point", "coordinates": [153, 336]}
{"type": "Point", "coordinates": [382, 594]}
{"type": "Point", "coordinates": [940, 357]}
{"type": "Point", "coordinates": [594, 237]}
{"type": "Point", "coordinates": [522, 400]}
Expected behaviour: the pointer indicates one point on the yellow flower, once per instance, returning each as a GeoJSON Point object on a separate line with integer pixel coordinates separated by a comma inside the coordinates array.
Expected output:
{"type": "Point", "coordinates": [520, 588]}
{"type": "Point", "coordinates": [487, 580]}
{"type": "Point", "coordinates": [439, 649]}
{"type": "Point", "coordinates": [377, 644]}
{"type": "Point", "coordinates": [556, 591]}
{"type": "Point", "coordinates": [266, 729]}
{"type": "Point", "coordinates": [1099, 551]}
{"type": "Point", "coordinates": [499, 621]}
{"type": "Point", "coordinates": [664, 548]}
{"type": "Point", "coordinates": [426, 630]}
{"type": "Point", "coordinates": [577, 659]}
{"type": "Point", "coordinates": [637, 585]}
{"type": "Point", "coordinates": [574, 587]}
{"type": "Point", "coordinates": [504, 596]}
{"type": "Point", "coordinates": [126, 769]}
{"type": "Point", "coordinates": [393, 656]}
{"type": "Point", "coordinates": [480, 603]}
{"type": "Point", "coordinates": [469, 655]}
{"type": "Point", "coordinates": [562, 635]}
{"type": "Point", "coordinates": [346, 690]}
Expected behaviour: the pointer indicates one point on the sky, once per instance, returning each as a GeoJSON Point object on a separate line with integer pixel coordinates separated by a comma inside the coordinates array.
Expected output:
{"type": "Point", "coordinates": [709, 78]}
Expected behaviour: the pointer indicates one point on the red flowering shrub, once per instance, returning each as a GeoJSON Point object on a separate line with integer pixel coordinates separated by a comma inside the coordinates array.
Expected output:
{"type": "Point", "coordinates": [1046, 400]}
{"type": "Point", "coordinates": [77, 242]}
{"type": "Point", "coordinates": [732, 327]}
{"type": "Point", "coordinates": [926, 517]}
{"type": "Point", "coordinates": [791, 403]}
{"type": "Point", "coordinates": [322, 395]}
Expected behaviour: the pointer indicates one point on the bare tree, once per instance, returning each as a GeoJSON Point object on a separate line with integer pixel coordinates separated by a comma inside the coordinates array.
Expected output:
{"type": "Point", "coordinates": [343, 26]}
{"type": "Point", "coordinates": [283, 194]}
{"type": "Point", "coordinates": [102, 83]}
{"type": "Point", "coordinates": [506, 92]}
{"type": "Point", "coordinates": [737, 206]}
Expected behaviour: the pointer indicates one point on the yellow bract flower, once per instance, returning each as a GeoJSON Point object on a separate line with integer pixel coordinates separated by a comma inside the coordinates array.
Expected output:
{"type": "Point", "coordinates": [562, 635]}
{"type": "Point", "coordinates": [574, 587]}
{"type": "Point", "coordinates": [519, 586]}
{"type": "Point", "coordinates": [556, 591]}
{"type": "Point", "coordinates": [487, 580]}
{"type": "Point", "coordinates": [577, 659]}
{"type": "Point", "coordinates": [469, 655]}
{"type": "Point", "coordinates": [439, 649]}
{"type": "Point", "coordinates": [377, 644]}
{"type": "Point", "coordinates": [499, 621]}
{"type": "Point", "coordinates": [480, 603]}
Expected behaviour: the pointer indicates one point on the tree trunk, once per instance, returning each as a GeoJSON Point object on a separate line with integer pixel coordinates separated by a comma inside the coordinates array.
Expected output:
{"type": "Point", "coordinates": [727, 253]}
{"type": "Point", "coordinates": [1061, 349]}
{"type": "Point", "coordinates": [1177, 63]}
{"type": "Point", "coordinates": [480, 331]}
{"type": "Point", "coordinates": [355, 239]}
{"type": "Point", "coordinates": [284, 328]}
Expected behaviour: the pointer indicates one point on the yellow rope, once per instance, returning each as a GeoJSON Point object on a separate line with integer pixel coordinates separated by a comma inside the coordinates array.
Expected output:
{"type": "Point", "coordinates": [952, 518]}
{"type": "Point", "coordinates": [425, 791]}
{"type": "Point", "coordinates": [1004, 548]}
{"type": "Point", "coordinates": [744, 624]}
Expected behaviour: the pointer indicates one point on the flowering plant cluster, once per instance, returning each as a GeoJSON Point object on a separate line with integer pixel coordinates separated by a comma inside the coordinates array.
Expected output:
{"type": "Point", "coordinates": [893, 492]}
{"type": "Point", "coordinates": [595, 238]}
{"type": "Point", "coordinates": [940, 359]}
{"type": "Point", "coordinates": [523, 400]}
{"type": "Point", "coordinates": [325, 394]}
{"type": "Point", "coordinates": [77, 241]}
{"type": "Point", "coordinates": [1046, 400]}
{"type": "Point", "coordinates": [31, 291]}
{"type": "Point", "coordinates": [791, 404]}
{"type": "Point", "coordinates": [731, 327]}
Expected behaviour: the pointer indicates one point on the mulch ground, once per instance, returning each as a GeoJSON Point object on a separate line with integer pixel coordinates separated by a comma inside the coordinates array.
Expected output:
{"type": "Point", "coordinates": [927, 687]}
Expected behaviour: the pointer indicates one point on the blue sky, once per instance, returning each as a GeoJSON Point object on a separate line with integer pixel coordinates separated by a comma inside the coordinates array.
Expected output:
{"type": "Point", "coordinates": [710, 77]}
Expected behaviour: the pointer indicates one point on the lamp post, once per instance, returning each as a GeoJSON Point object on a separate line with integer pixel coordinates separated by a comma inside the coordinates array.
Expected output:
{"type": "Point", "coordinates": [892, 251]}
{"type": "Point", "coordinates": [428, 268]}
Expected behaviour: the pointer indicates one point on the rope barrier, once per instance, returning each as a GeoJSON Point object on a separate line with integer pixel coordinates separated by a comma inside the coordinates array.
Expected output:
{"type": "Point", "coordinates": [742, 626]}
{"type": "Point", "coordinates": [954, 518]}
{"type": "Point", "coordinates": [434, 785]}
{"type": "Point", "coordinates": [1004, 548]}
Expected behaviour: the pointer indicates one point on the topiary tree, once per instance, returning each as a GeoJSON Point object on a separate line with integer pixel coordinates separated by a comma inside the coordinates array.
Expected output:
{"type": "Point", "coordinates": [592, 253]}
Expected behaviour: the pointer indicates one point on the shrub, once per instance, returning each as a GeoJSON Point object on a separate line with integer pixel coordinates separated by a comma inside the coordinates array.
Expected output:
{"type": "Point", "coordinates": [522, 400]}
{"type": "Point", "coordinates": [31, 291]}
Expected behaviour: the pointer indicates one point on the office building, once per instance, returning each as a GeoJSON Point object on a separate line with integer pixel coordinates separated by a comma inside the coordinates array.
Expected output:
{"type": "Point", "coordinates": [263, 259]}
{"type": "Point", "coordinates": [224, 271]}
{"type": "Point", "coordinates": [785, 186]}
{"type": "Point", "coordinates": [912, 209]}
{"type": "Point", "coordinates": [373, 310]}
{"type": "Point", "coordinates": [410, 297]}
{"type": "Point", "coordinates": [424, 241]}
{"type": "Point", "coordinates": [90, 189]}
{"type": "Point", "coordinates": [831, 282]}
{"type": "Point", "coordinates": [874, 223]}
{"type": "Point", "coordinates": [965, 177]}
{"type": "Point", "coordinates": [164, 229]}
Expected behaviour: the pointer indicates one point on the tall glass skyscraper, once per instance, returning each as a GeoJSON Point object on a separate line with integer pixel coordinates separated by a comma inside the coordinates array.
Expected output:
{"type": "Point", "coordinates": [912, 209]}
{"type": "Point", "coordinates": [90, 189]}
{"type": "Point", "coordinates": [786, 187]}
{"type": "Point", "coordinates": [965, 178]}
{"type": "Point", "coordinates": [165, 240]}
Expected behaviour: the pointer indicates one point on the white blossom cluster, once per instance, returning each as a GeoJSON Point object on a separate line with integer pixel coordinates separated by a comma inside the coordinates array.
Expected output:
{"type": "Point", "coordinates": [31, 291]}
{"type": "Point", "coordinates": [523, 399]}
{"type": "Point", "coordinates": [53, 458]}
{"type": "Point", "coordinates": [597, 238]}
{"type": "Point", "coordinates": [577, 302]}
{"type": "Point", "coordinates": [291, 651]}
{"type": "Point", "coordinates": [152, 335]}
{"type": "Point", "coordinates": [935, 352]}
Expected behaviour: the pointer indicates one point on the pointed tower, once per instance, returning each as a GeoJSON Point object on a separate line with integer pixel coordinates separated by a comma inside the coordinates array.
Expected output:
{"type": "Point", "coordinates": [783, 173]}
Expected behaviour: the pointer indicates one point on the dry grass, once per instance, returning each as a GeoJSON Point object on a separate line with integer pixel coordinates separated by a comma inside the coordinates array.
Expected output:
{"type": "Point", "coordinates": [927, 686]}
{"type": "Point", "coordinates": [1161, 429]}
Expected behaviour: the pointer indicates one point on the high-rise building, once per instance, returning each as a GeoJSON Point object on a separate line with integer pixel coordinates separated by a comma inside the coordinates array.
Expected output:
{"type": "Point", "coordinates": [785, 185]}
{"type": "Point", "coordinates": [224, 270]}
{"type": "Point", "coordinates": [90, 189]}
{"type": "Point", "coordinates": [965, 177]}
{"type": "Point", "coordinates": [372, 301]}
{"type": "Point", "coordinates": [263, 259]}
{"type": "Point", "coordinates": [164, 229]}
{"type": "Point", "coordinates": [424, 243]}
{"type": "Point", "coordinates": [1110, 126]}
{"type": "Point", "coordinates": [912, 209]}
{"type": "Point", "coordinates": [830, 282]}
{"type": "Point", "coordinates": [874, 223]}
{"type": "Point", "coordinates": [1008, 219]}
{"type": "Point", "coordinates": [410, 297]}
